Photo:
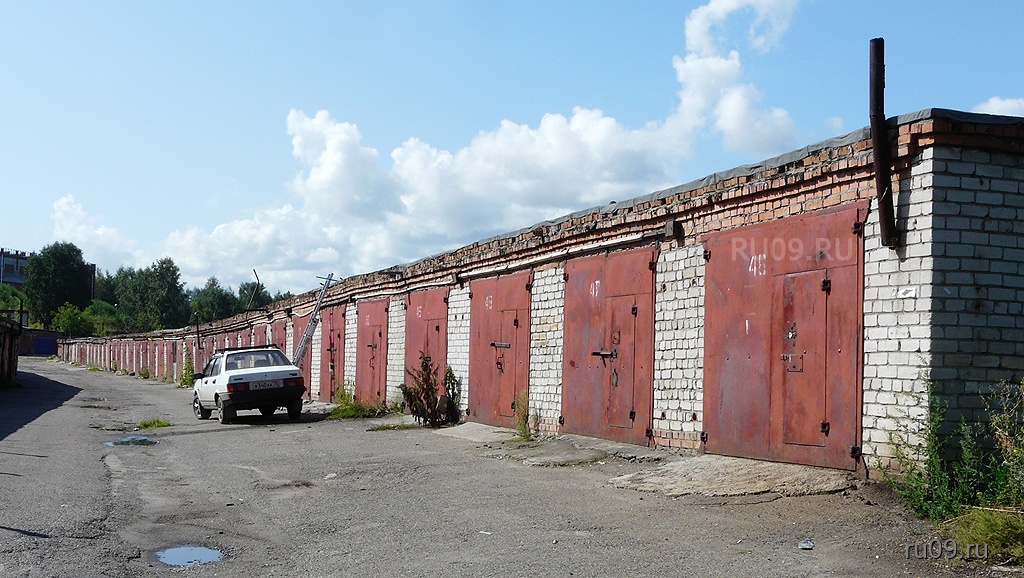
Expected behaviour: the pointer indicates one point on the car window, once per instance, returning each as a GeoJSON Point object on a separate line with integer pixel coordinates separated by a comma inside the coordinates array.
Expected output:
{"type": "Point", "coordinates": [257, 358]}
{"type": "Point", "coordinates": [213, 367]}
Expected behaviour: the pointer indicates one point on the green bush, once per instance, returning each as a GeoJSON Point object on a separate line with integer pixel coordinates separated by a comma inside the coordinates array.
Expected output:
{"type": "Point", "coordinates": [154, 423]}
{"type": "Point", "coordinates": [187, 378]}
{"type": "Point", "coordinates": [979, 487]}
{"type": "Point", "coordinates": [521, 410]}
{"type": "Point", "coordinates": [421, 398]}
{"type": "Point", "coordinates": [349, 408]}
{"type": "Point", "coordinates": [144, 373]}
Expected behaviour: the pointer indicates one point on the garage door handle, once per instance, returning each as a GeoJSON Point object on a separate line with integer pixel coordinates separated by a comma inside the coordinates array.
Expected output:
{"type": "Point", "coordinates": [613, 353]}
{"type": "Point", "coordinates": [501, 345]}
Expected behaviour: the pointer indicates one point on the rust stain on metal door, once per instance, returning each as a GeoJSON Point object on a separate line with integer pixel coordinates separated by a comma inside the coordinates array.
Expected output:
{"type": "Point", "coordinates": [426, 329]}
{"type": "Point", "coordinates": [783, 310]}
{"type": "Point", "coordinates": [371, 351]}
{"type": "Point", "coordinates": [332, 348]}
{"type": "Point", "coordinates": [499, 347]}
{"type": "Point", "coordinates": [607, 370]}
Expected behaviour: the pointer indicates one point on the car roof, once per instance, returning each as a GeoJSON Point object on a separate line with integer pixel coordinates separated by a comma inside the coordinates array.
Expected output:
{"type": "Point", "coordinates": [250, 348]}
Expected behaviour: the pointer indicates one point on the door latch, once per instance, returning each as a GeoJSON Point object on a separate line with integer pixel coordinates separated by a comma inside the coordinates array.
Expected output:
{"type": "Point", "coordinates": [825, 427]}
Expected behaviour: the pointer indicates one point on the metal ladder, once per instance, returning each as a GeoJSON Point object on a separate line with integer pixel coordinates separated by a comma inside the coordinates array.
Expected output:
{"type": "Point", "coordinates": [314, 320]}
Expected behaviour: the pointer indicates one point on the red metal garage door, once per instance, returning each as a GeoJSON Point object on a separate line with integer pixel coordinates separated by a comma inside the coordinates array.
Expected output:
{"type": "Point", "coordinates": [426, 330]}
{"type": "Point", "coordinates": [782, 339]}
{"type": "Point", "coordinates": [332, 356]}
{"type": "Point", "coordinates": [499, 346]}
{"type": "Point", "coordinates": [608, 371]}
{"type": "Point", "coordinates": [298, 327]}
{"type": "Point", "coordinates": [372, 351]}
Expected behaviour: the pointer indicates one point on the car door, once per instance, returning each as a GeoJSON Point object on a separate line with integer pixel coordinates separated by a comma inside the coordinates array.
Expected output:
{"type": "Point", "coordinates": [208, 384]}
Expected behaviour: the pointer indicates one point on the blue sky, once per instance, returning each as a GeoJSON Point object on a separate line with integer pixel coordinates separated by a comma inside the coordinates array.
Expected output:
{"type": "Point", "coordinates": [305, 138]}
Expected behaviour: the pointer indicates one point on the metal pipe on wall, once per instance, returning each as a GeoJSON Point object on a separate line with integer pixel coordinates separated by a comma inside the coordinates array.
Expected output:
{"type": "Point", "coordinates": [880, 145]}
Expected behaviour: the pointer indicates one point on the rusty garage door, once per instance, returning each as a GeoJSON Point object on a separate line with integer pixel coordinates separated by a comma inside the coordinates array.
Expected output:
{"type": "Point", "coordinates": [499, 346]}
{"type": "Point", "coordinates": [426, 330]}
{"type": "Point", "coordinates": [278, 335]}
{"type": "Point", "coordinates": [608, 371]}
{"type": "Point", "coordinates": [372, 351]}
{"type": "Point", "coordinates": [782, 339]}
{"type": "Point", "coordinates": [298, 327]}
{"type": "Point", "coordinates": [332, 355]}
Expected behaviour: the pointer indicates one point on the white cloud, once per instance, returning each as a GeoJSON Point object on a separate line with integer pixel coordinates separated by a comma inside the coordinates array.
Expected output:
{"type": "Point", "coordinates": [353, 213]}
{"type": "Point", "coordinates": [1004, 106]}
{"type": "Point", "coordinates": [99, 243]}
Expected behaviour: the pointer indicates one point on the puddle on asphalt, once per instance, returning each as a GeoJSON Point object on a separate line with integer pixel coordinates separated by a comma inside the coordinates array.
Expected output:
{"type": "Point", "coordinates": [133, 441]}
{"type": "Point", "coordinates": [188, 555]}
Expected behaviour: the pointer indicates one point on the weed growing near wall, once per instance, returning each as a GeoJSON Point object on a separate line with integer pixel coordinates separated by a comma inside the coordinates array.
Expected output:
{"type": "Point", "coordinates": [349, 408]}
{"type": "Point", "coordinates": [421, 397]}
{"type": "Point", "coordinates": [188, 371]}
{"type": "Point", "coordinates": [522, 414]}
{"type": "Point", "coordinates": [978, 492]}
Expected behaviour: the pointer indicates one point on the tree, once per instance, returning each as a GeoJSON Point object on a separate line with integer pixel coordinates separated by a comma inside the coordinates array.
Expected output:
{"type": "Point", "coordinates": [72, 321]}
{"type": "Point", "coordinates": [105, 317]}
{"type": "Point", "coordinates": [57, 275]}
{"type": "Point", "coordinates": [166, 294]}
{"type": "Point", "coordinates": [106, 287]}
{"type": "Point", "coordinates": [151, 298]}
{"type": "Point", "coordinates": [212, 301]}
{"type": "Point", "coordinates": [11, 298]}
{"type": "Point", "coordinates": [246, 291]}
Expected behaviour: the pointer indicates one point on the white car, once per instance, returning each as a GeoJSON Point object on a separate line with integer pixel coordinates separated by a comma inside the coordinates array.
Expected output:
{"type": "Point", "coordinates": [248, 378]}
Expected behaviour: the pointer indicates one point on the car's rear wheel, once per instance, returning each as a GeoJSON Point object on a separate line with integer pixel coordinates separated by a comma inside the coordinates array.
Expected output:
{"type": "Point", "coordinates": [295, 409]}
{"type": "Point", "coordinates": [226, 413]}
{"type": "Point", "coordinates": [268, 410]}
{"type": "Point", "coordinates": [200, 411]}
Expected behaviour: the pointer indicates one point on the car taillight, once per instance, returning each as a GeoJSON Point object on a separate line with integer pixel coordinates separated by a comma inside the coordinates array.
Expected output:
{"type": "Point", "coordinates": [238, 386]}
{"type": "Point", "coordinates": [293, 381]}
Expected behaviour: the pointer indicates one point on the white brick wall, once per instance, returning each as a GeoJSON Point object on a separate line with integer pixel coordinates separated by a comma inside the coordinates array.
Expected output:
{"type": "Point", "coordinates": [315, 360]}
{"type": "Point", "coordinates": [348, 377]}
{"type": "Point", "coordinates": [945, 307]}
{"type": "Point", "coordinates": [396, 348]}
{"type": "Point", "coordinates": [547, 304]}
{"type": "Point", "coordinates": [679, 344]}
{"type": "Point", "coordinates": [458, 338]}
{"type": "Point", "coordinates": [977, 325]}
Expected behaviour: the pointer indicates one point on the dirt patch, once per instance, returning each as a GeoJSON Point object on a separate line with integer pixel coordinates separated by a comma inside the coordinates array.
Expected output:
{"type": "Point", "coordinates": [714, 476]}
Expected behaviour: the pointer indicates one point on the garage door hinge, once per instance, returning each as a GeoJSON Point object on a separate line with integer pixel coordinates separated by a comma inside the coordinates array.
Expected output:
{"type": "Point", "coordinates": [703, 437]}
{"type": "Point", "coordinates": [855, 452]}
{"type": "Point", "coordinates": [632, 415]}
{"type": "Point", "coordinates": [561, 420]}
{"type": "Point", "coordinates": [825, 426]}
{"type": "Point", "coordinates": [707, 254]}
{"type": "Point", "coordinates": [826, 285]}
{"type": "Point", "coordinates": [858, 228]}
{"type": "Point", "coordinates": [649, 432]}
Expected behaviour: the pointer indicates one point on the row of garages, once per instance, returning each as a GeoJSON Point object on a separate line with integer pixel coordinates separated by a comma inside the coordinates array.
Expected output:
{"type": "Point", "coordinates": [753, 313]}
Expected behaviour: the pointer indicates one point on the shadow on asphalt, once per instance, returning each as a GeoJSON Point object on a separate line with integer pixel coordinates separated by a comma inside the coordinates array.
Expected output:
{"type": "Point", "coordinates": [281, 418]}
{"type": "Point", "coordinates": [35, 396]}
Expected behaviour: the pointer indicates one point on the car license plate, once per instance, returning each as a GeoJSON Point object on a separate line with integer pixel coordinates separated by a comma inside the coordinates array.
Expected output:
{"type": "Point", "coordinates": [265, 384]}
